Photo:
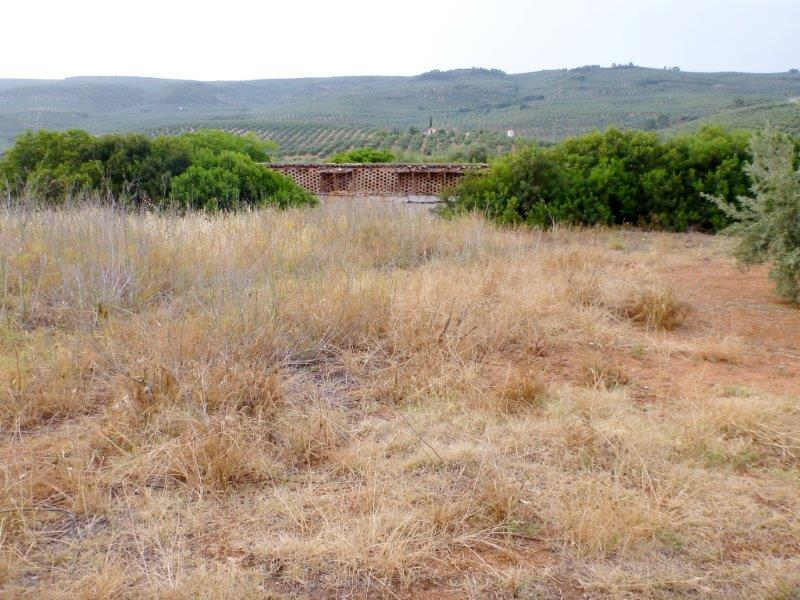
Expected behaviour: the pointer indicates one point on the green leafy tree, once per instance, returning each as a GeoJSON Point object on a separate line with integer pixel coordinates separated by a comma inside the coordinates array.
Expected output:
{"type": "Point", "coordinates": [123, 158]}
{"type": "Point", "coordinates": [230, 180]}
{"type": "Point", "coordinates": [612, 178]}
{"type": "Point", "coordinates": [768, 222]}
{"type": "Point", "coordinates": [516, 190]}
{"type": "Point", "coordinates": [205, 170]}
{"type": "Point", "coordinates": [362, 155]}
{"type": "Point", "coordinates": [477, 154]}
{"type": "Point", "coordinates": [215, 141]}
{"type": "Point", "coordinates": [211, 188]}
{"type": "Point", "coordinates": [51, 164]}
{"type": "Point", "coordinates": [169, 157]}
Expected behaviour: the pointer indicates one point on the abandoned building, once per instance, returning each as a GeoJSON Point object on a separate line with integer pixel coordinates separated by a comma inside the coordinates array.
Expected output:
{"type": "Point", "coordinates": [375, 179]}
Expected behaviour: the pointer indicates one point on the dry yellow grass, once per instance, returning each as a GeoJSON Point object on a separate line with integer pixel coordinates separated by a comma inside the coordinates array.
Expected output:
{"type": "Point", "coordinates": [370, 402]}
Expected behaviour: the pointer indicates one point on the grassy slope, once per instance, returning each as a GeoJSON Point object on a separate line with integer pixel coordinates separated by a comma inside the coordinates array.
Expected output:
{"type": "Point", "coordinates": [545, 104]}
{"type": "Point", "coordinates": [360, 403]}
{"type": "Point", "coordinates": [784, 115]}
{"type": "Point", "coordinates": [312, 141]}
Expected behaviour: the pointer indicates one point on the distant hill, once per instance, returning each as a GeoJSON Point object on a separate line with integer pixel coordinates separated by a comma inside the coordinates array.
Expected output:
{"type": "Point", "coordinates": [301, 141]}
{"type": "Point", "coordinates": [546, 105]}
{"type": "Point", "coordinates": [783, 115]}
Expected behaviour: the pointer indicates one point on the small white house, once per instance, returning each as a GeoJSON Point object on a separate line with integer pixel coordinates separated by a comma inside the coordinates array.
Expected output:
{"type": "Point", "coordinates": [510, 133]}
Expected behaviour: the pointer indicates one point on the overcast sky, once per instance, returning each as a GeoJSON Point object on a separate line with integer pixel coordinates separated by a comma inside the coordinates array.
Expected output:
{"type": "Point", "coordinates": [236, 39]}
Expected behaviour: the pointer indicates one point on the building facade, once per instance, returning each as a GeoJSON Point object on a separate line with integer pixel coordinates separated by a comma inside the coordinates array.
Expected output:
{"type": "Point", "coordinates": [376, 179]}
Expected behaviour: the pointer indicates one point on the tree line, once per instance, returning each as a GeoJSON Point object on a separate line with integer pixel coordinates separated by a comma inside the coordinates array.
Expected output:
{"type": "Point", "coordinates": [614, 178]}
{"type": "Point", "coordinates": [212, 170]}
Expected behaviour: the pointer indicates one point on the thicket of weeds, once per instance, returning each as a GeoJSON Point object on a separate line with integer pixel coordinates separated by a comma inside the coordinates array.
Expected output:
{"type": "Point", "coordinates": [370, 403]}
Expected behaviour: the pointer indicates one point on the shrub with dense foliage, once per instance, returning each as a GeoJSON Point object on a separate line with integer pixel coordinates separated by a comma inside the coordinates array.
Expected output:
{"type": "Point", "coordinates": [768, 223]}
{"type": "Point", "coordinates": [362, 155]}
{"type": "Point", "coordinates": [613, 178]}
{"type": "Point", "coordinates": [203, 169]}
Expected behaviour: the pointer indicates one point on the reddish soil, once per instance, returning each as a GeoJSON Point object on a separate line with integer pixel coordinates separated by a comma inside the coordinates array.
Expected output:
{"type": "Point", "coordinates": [727, 301]}
{"type": "Point", "coordinates": [724, 302]}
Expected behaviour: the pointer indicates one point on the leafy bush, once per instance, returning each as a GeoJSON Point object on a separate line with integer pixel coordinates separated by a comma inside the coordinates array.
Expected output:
{"type": "Point", "coordinates": [611, 178]}
{"type": "Point", "coordinates": [205, 169]}
{"type": "Point", "coordinates": [515, 190]}
{"type": "Point", "coordinates": [768, 223]}
{"type": "Point", "coordinates": [362, 155]}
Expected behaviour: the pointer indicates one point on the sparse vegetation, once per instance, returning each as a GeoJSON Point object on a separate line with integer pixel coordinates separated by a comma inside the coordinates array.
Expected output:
{"type": "Point", "coordinates": [380, 403]}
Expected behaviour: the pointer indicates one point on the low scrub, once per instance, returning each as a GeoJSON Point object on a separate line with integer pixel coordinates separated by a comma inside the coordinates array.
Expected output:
{"type": "Point", "coordinates": [209, 170]}
{"type": "Point", "coordinates": [612, 178]}
{"type": "Point", "coordinates": [362, 155]}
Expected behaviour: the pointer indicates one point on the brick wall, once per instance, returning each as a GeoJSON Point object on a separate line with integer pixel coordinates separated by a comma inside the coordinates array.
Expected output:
{"type": "Point", "coordinates": [375, 179]}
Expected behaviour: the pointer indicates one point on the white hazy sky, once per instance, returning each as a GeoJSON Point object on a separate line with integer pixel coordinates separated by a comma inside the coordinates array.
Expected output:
{"type": "Point", "coordinates": [237, 39]}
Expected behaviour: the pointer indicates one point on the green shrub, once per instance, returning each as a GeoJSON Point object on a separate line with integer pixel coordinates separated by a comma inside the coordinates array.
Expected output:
{"type": "Point", "coordinates": [362, 155]}
{"type": "Point", "coordinates": [612, 178]}
{"type": "Point", "coordinates": [204, 170]}
{"type": "Point", "coordinates": [517, 189]}
{"type": "Point", "coordinates": [768, 224]}
{"type": "Point", "coordinates": [230, 180]}
{"type": "Point", "coordinates": [54, 163]}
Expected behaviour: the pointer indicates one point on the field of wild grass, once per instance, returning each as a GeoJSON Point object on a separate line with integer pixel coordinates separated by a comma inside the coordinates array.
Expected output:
{"type": "Point", "coordinates": [373, 402]}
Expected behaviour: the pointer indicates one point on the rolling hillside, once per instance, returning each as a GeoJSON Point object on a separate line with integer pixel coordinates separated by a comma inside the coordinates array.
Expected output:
{"type": "Point", "coordinates": [783, 115]}
{"type": "Point", "coordinates": [298, 141]}
{"type": "Point", "coordinates": [546, 105]}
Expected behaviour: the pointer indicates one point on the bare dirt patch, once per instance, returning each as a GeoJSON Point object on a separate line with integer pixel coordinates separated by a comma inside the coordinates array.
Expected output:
{"type": "Point", "coordinates": [757, 336]}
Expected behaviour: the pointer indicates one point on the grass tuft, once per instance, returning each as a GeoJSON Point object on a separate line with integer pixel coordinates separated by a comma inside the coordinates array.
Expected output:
{"type": "Point", "coordinates": [655, 309]}
{"type": "Point", "coordinates": [375, 402]}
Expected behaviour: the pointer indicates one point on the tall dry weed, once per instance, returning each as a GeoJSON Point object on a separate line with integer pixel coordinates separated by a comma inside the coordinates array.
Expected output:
{"type": "Point", "coordinates": [362, 402]}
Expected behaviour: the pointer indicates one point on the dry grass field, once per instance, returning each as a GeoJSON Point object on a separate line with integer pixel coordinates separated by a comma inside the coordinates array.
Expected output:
{"type": "Point", "coordinates": [375, 403]}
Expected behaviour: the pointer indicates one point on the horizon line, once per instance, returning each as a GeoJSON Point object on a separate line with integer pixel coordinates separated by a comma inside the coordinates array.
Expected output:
{"type": "Point", "coordinates": [375, 76]}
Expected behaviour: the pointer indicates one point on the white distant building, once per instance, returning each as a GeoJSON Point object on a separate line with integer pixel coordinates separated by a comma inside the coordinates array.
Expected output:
{"type": "Point", "coordinates": [510, 133]}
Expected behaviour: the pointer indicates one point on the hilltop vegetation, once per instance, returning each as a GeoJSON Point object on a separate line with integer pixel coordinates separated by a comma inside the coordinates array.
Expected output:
{"type": "Point", "coordinates": [545, 105]}
{"type": "Point", "coordinates": [785, 116]}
